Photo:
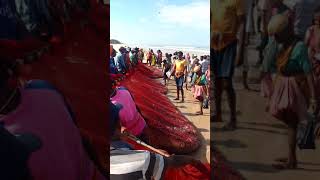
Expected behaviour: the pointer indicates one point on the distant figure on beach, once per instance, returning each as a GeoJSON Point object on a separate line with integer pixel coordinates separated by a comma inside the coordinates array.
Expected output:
{"type": "Point", "coordinates": [159, 58]}
{"type": "Point", "coordinates": [112, 65]}
{"type": "Point", "coordinates": [149, 56]}
{"type": "Point", "coordinates": [180, 68]}
{"type": "Point", "coordinates": [225, 25]}
{"type": "Point", "coordinates": [168, 58]}
{"type": "Point", "coordinates": [153, 58]}
{"type": "Point", "coordinates": [166, 68]}
{"type": "Point", "coordinates": [200, 89]}
{"type": "Point", "coordinates": [120, 60]}
{"type": "Point", "coordinates": [140, 55]}
{"type": "Point", "coordinates": [204, 64]}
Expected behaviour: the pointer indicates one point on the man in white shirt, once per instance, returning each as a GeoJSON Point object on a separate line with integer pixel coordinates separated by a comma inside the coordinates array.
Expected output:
{"type": "Point", "coordinates": [204, 64]}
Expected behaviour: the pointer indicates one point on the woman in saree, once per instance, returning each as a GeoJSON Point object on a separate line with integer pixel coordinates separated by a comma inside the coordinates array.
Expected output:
{"type": "Point", "coordinates": [294, 88]}
{"type": "Point", "coordinates": [200, 88]}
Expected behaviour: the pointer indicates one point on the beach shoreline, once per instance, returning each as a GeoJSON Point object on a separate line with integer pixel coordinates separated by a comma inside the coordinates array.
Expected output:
{"type": "Point", "coordinates": [168, 49]}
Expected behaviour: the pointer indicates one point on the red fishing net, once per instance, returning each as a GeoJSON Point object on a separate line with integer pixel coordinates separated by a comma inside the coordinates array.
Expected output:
{"type": "Point", "coordinates": [221, 169]}
{"type": "Point", "coordinates": [170, 130]}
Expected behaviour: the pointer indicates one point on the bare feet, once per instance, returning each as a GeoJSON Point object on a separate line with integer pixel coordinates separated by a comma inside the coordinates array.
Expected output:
{"type": "Point", "coordinates": [199, 113]}
{"type": "Point", "coordinates": [286, 165]}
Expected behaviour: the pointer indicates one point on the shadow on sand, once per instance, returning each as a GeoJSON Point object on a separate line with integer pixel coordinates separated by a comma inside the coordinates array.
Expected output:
{"type": "Point", "coordinates": [230, 143]}
{"type": "Point", "coordinates": [264, 168]}
{"type": "Point", "coordinates": [280, 126]}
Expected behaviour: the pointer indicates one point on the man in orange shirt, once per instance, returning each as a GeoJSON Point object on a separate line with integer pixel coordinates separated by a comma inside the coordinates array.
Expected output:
{"type": "Point", "coordinates": [227, 19]}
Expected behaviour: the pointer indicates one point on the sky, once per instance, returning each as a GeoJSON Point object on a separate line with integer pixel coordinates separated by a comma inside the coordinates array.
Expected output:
{"type": "Point", "coordinates": [161, 22]}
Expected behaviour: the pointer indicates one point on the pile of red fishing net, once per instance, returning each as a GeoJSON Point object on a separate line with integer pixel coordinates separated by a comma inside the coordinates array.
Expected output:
{"type": "Point", "coordinates": [221, 169]}
{"type": "Point", "coordinates": [171, 130]}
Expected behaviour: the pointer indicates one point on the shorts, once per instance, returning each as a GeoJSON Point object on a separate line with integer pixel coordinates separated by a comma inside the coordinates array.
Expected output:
{"type": "Point", "coordinates": [179, 81]}
{"type": "Point", "coordinates": [223, 61]}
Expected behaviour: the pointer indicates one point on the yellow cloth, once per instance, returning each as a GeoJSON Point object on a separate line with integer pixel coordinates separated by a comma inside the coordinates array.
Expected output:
{"type": "Point", "coordinates": [153, 60]}
{"type": "Point", "coordinates": [224, 21]}
{"type": "Point", "coordinates": [180, 65]}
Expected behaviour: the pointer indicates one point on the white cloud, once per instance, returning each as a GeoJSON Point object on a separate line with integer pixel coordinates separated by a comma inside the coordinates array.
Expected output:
{"type": "Point", "coordinates": [195, 14]}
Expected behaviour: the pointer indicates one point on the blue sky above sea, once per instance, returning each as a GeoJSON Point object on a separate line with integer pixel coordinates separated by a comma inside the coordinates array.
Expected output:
{"type": "Point", "coordinates": [161, 23]}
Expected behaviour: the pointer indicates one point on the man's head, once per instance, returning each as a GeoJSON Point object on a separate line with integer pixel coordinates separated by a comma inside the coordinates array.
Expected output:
{"type": "Point", "coordinates": [180, 55]}
{"type": "Point", "coordinates": [196, 61]}
{"type": "Point", "coordinates": [201, 58]}
{"type": "Point", "coordinates": [122, 50]}
{"type": "Point", "coordinates": [197, 69]}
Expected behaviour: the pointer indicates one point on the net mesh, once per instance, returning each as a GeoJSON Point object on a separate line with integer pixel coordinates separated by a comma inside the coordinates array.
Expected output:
{"type": "Point", "coordinates": [170, 129]}
{"type": "Point", "coordinates": [221, 169]}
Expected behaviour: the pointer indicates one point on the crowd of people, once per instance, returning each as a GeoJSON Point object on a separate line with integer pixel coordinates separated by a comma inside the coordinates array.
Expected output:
{"type": "Point", "coordinates": [288, 59]}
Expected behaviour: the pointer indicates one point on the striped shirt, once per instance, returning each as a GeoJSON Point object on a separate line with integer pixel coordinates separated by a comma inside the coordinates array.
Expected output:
{"type": "Point", "coordinates": [135, 165]}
